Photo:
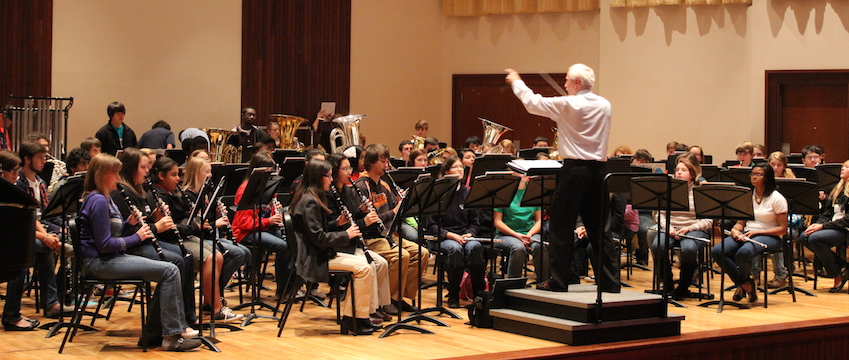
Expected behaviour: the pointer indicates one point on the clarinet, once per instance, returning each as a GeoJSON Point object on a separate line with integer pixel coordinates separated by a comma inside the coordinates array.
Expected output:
{"type": "Point", "coordinates": [344, 210]}
{"type": "Point", "coordinates": [401, 194]}
{"type": "Point", "coordinates": [141, 217]}
{"type": "Point", "coordinates": [222, 212]}
{"type": "Point", "coordinates": [161, 205]}
{"type": "Point", "coordinates": [370, 206]}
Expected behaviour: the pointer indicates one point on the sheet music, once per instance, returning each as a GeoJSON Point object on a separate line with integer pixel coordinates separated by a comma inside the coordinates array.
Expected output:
{"type": "Point", "coordinates": [525, 165]}
{"type": "Point", "coordinates": [329, 107]}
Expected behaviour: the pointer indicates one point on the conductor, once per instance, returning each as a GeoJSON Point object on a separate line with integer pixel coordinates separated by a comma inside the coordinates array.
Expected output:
{"type": "Point", "coordinates": [583, 128]}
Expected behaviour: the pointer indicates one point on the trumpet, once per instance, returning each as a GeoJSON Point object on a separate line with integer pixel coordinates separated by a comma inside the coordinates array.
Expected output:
{"type": "Point", "coordinates": [141, 217]}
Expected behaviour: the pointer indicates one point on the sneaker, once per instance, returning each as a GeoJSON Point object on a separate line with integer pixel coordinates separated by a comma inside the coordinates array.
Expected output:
{"type": "Point", "coordinates": [227, 315]}
{"type": "Point", "coordinates": [317, 293]}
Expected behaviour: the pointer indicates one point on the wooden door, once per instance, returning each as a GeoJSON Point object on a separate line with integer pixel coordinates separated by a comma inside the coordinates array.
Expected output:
{"type": "Point", "coordinates": [488, 96]}
{"type": "Point", "coordinates": [809, 107]}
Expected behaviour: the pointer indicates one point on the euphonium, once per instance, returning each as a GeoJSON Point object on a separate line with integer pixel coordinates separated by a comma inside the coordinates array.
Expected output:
{"type": "Point", "coordinates": [288, 126]}
{"type": "Point", "coordinates": [555, 155]}
{"type": "Point", "coordinates": [348, 131]}
{"type": "Point", "coordinates": [220, 149]}
{"type": "Point", "coordinates": [418, 142]}
{"type": "Point", "coordinates": [435, 157]}
{"type": "Point", "coordinates": [492, 131]}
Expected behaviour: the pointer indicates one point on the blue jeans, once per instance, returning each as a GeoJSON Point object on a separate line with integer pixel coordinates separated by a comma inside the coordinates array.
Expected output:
{"type": "Point", "coordinates": [459, 257]}
{"type": "Point", "coordinates": [689, 256]}
{"type": "Point", "coordinates": [736, 256]}
{"type": "Point", "coordinates": [45, 263]}
{"type": "Point", "coordinates": [174, 255]}
{"type": "Point", "coordinates": [271, 241]}
{"type": "Point", "coordinates": [820, 243]}
{"type": "Point", "coordinates": [165, 315]}
{"type": "Point", "coordinates": [518, 254]}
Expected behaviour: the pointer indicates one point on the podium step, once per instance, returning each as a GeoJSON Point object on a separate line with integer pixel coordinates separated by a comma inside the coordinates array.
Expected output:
{"type": "Point", "coordinates": [580, 333]}
{"type": "Point", "coordinates": [579, 304]}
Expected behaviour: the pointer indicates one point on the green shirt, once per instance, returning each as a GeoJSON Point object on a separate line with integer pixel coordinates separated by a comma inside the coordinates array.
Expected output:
{"type": "Point", "coordinates": [520, 219]}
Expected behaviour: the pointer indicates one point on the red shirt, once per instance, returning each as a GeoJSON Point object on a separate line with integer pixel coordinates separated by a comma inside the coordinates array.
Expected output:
{"type": "Point", "coordinates": [245, 220]}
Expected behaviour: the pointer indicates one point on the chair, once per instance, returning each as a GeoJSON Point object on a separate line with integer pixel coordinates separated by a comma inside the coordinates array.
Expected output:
{"type": "Point", "coordinates": [86, 286]}
{"type": "Point", "coordinates": [764, 256]}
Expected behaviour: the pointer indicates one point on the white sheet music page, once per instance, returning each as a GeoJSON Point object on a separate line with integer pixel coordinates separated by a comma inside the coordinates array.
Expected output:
{"type": "Point", "coordinates": [522, 165]}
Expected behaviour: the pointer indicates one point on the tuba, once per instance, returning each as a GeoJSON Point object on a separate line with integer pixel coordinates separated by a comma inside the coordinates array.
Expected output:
{"type": "Point", "coordinates": [492, 131]}
{"type": "Point", "coordinates": [555, 155]}
{"type": "Point", "coordinates": [418, 142]}
{"type": "Point", "coordinates": [288, 126]}
{"type": "Point", "coordinates": [220, 149]}
{"type": "Point", "coordinates": [348, 131]}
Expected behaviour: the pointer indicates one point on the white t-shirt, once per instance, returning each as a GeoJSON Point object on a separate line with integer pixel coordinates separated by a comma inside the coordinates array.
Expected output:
{"type": "Point", "coordinates": [36, 190]}
{"type": "Point", "coordinates": [839, 212]}
{"type": "Point", "coordinates": [765, 212]}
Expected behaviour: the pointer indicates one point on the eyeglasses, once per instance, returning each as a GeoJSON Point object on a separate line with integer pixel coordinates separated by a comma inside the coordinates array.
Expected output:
{"type": "Point", "coordinates": [347, 169]}
{"type": "Point", "coordinates": [756, 175]}
{"type": "Point", "coordinates": [329, 176]}
{"type": "Point", "coordinates": [458, 167]}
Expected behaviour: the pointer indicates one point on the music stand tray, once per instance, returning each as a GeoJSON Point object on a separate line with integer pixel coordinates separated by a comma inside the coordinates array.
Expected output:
{"type": "Point", "coordinates": [828, 175]}
{"type": "Point", "coordinates": [739, 175]}
{"type": "Point", "coordinates": [404, 176]}
{"type": "Point", "coordinates": [490, 162]}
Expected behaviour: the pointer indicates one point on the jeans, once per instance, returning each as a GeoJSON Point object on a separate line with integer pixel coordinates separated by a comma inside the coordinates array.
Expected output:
{"type": "Point", "coordinates": [408, 232]}
{"type": "Point", "coordinates": [820, 243]}
{"type": "Point", "coordinates": [45, 264]}
{"type": "Point", "coordinates": [519, 254]}
{"type": "Point", "coordinates": [165, 315]}
{"type": "Point", "coordinates": [237, 255]}
{"type": "Point", "coordinates": [459, 257]}
{"type": "Point", "coordinates": [184, 264]}
{"type": "Point", "coordinates": [14, 292]}
{"type": "Point", "coordinates": [735, 258]}
{"type": "Point", "coordinates": [689, 257]}
{"type": "Point", "coordinates": [271, 241]}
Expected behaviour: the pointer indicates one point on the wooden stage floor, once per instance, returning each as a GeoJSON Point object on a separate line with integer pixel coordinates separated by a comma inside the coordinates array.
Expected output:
{"type": "Point", "coordinates": [314, 335]}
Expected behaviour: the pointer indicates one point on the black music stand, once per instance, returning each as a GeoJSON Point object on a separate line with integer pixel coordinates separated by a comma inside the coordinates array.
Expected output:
{"type": "Point", "coordinates": [739, 175]}
{"type": "Point", "coordinates": [251, 200]}
{"type": "Point", "coordinates": [441, 194]}
{"type": "Point", "coordinates": [531, 153]}
{"type": "Point", "coordinates": [404, 177]}
{"type": "Point", "coordinates": [723, 202]}
{"type": "Point", "coordinates": [64, 203]}
{"type": "Point", "coordinates": [397, 162]}
{"type": "Point", "coordinates": [661, 194]}
{"type": "Point", "coordinates": [802, 199]}
{"type": "Point", "coordinates": [229, 171]}
{"type": "Point", "coordinates": [489, 191]}
{"type": "Point", "coordinates": [828, 175]}
{"type": "Point", "coordinates": [809, 174]}
{"type": "Point", "coordinates": [490, 162]}
{"type": "Point", "coordinates": [280, 155]}
{"type": "Point", "coordinates": [710, 172]}
{"type": "Point", "coordinates": [412, 203]}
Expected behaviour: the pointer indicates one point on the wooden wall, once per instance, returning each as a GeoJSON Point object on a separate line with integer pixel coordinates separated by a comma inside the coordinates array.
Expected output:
{"type": "Point", "coordinates": [26, 43]}
{"type": "Point", "coordinates": [295, 54]}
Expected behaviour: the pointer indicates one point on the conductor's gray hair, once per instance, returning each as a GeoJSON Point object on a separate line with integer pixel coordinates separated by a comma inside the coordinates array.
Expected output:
{"type": "Point", "coordinates": [583, 73]}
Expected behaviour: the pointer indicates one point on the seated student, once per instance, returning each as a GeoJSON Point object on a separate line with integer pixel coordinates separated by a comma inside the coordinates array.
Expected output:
{"type": "Point", "coordinates": [336, 220]}
{"type": "Point", "coordinates": [10, 165]}
{"type": "Point", "coordinates": [812, 155]}
{"type": "Point", "coordinates": [272, 129]}
{"type": "Point", "coordinates": [507, 146]}
{"type": "Point", "coordinates": [92, 146]}
{"type": "Point", "coordinates": [699, 152]}
{"type": "Point", "coordinates": [418, 158]}
{"type": "Point", "coordinates": [745, 152]}
{"type": "Point", "coordinates": [197, 172]}
{"type": "Point", "coordinates": [448, 152]}
{"type": "Point", "coordinates": [431, 144]}
{"type": "Point", "coordinates": [355, 155]}
{"type": "Point", "coordinates": [542, 156]}
{"type": "Point", "coordinates": [641, 254]}
{"type": "Point", "coordinates": [454, 229]}
{"type": "Point", "coordinates": [671, 147]}
{"type": "Point", "coordinates": [59, 166]}
{"type": "Point", "coordinates": [135, 168]}
{"type": "Point", "coordinates": [268, 232]}
{"type": "Point", "coordinates": [405, 147]}
{"type": "Point", "coordinates": [829, 230]}
{"type": "Point", "coordinates": [778, 161]}
{"type": "Point", "coordinates": [201, 153]}
{"type": "Point", "coordinates": [473, 143]}
{"type": "Point", "coordinates": [734, 254]}
{"type": "Point", "coordinates": [622, 150]}
{"type": "Point", "coordinates": [584, 249]}
{"type": "Point", "coordinates": [693, 160]}
{"type": "Point", "coordinates": [77, 161]}
{"type": "Point", "coordinates": [100, 226]}
{"type": "Point", "coordinates": [486, 148]}
{"type": "Point", "coordinates": [682, 223]}
{"type": "Point", "coordinates": [759, 151]}
{"type": "Point", "coordinates": [541, 142]}
{"type": "Point", "coordinates": [385, 204]}
{"type": "Point", "coordinates": [33, 156]}
{"type": "Point", "coordinates": [642, 156]}
{"type": "Point", "coordinates": [166, 190]}
{"type": "Point", "coordinates": [316, 254]}
{"type": "Point", "coordinates": [309, 155]}
{"type": "Point", "coordinates": [159, 136]}
{"type": "Point", "coordinates": [518, 227]}
{"type": "Point", "coordinates": [421, 128]}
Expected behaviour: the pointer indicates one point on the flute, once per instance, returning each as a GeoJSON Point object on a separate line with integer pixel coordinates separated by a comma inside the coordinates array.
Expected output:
{"type": "Point", "coordinates": [141, 217]}
{"type": "Point", "coordinates": [166, 211]}
{"type": "Point", "coordinates": [350, 217]}
{"type": "Point", "coordinates": [746, 238]}
{"type": "Point", "coordinates": [370, 206]}
{"type": "Point", "coordinates": [689, 237]}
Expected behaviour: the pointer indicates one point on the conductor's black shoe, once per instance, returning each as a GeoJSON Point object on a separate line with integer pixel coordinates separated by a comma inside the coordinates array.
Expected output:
{"type": "Point", "coordinates": [550, 285]}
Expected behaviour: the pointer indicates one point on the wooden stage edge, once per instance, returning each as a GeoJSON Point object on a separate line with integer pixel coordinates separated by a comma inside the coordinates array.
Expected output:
{"type": "Point", "coordinates": [809, 339]}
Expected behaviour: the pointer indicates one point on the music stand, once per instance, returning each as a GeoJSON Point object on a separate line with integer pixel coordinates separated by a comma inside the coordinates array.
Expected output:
{"type": "Point", "coordinates": [539, 193]}
{"type": "Point", "coordinates": [710, 172]}
{"type": "Point", "coordinates": [441, 195]}
{"type": "Point", "coordinates": [404, 177]}
{"type": "Point", "coordinates": [64, 203]}
{"type": "Point", "coordinates": [802, 199]}
{"type": "Point", "coordinates": [251, 200]}
{"type": "Point", "coordinates": [397, 162]}
{"type": "Point", "coordinates": [489, 191]}
{"type": "Point", "coordinates": [291, 169]}
{"type": "Point", "coordinates": [739, 175]}
{"type": "Point", "coordinates": [640, 169]}
{"type": "Point", "coordinates": [809, 174]}
{"type": "Point", "coordinates": [490, 162]}
{"type": "Point", "coordinates": [828, 175]}
{"type": "Point", "coordinates": [531, 153]}
{"type": "Point", "coordinates": [46, 173]}
{"type": "Point", "coordinates": [229, 171]}
{"type": "Point", "coordinates": [661, 194]}
{"type": "Point", "coordinates": [418, 193]}
{"type": "Point", "coordinates": [723, 202]}
{"type": "Point", "coordinates": [281, 155]}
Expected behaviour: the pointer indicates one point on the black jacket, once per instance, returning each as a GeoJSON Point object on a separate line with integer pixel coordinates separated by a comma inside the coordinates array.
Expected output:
{"type": "Point", "coordinates": [827, 212]}
{"type": "Point", "coordinates": [314, 242]}
{"type": "Point", "coordinates": [456, 220]}
{"type": "Point", "coordinates": [109, 137]}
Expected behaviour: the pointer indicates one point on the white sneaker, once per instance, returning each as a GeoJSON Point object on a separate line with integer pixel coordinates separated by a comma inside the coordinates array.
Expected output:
{"type": "Point", "coordinates": [227, 315]}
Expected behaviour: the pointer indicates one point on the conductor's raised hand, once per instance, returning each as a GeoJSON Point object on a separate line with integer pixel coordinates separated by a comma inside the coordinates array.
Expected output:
{"type": "Point", "coordinates": [512, 76]}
